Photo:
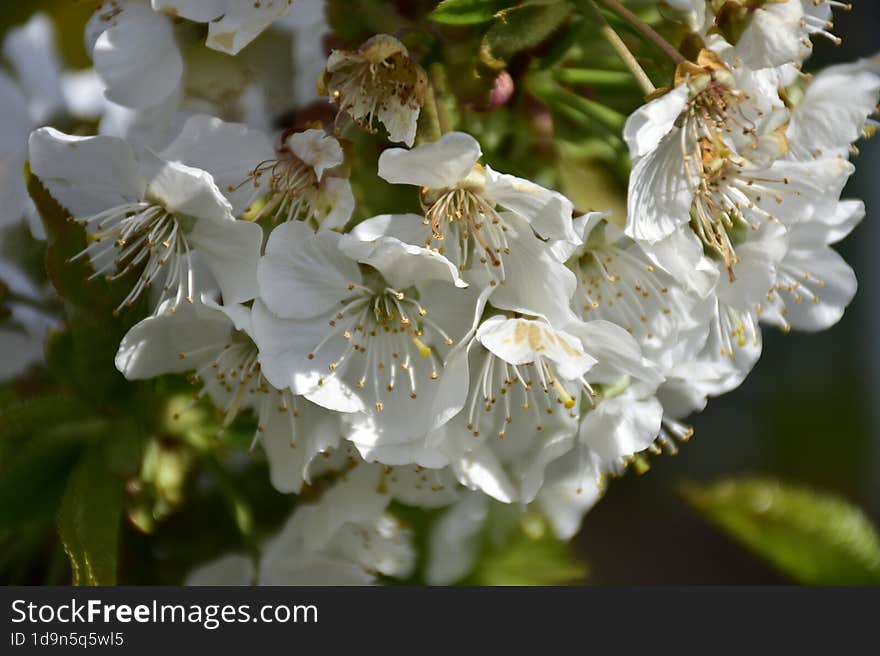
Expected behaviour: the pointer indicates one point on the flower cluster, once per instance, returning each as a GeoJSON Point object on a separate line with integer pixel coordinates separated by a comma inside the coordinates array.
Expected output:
{"type": "Point", "coordinates": [493, 347]}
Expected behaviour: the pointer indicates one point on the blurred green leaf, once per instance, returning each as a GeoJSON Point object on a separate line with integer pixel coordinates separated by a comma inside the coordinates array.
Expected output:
{"type": "Point", "coordinates": [23, 418]}
{"type": "Point", "coordinates": [31, 486]}
{"type": "Point", "coordinates": [816, 538]}
{"type": "Point", "coordinates": [532, 556]}
{"type": "Point", "coordinates": [355, 21]}
{"type": "Point", "coordinates": [86, 349]}
{"type": "Point", "coordinates": [67, 238]}
{"type": "Point", "coordinates": [468, 12]}
{"type": "Point", "coordinates": [522, 27]}
{"type": "Point", "coordinates": [89, 521]}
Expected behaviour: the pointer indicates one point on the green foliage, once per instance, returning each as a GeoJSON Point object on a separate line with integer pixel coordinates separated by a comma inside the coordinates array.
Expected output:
{"type": "Point", "coordinates": [522, 27]}
{"type": "Point", "coordinates": [355, 21]}
{"type": "Point", "coordinates": [468, 12]}
{"type": "Point", "coordinates": [31, 485]}
{"type": "Point", "coordinates": [21, 419]}
{"type": "Point", "coordinates": [89, 521]}
{"type": "Point", "coordinates": [529, 555]}
{"type": "Point", "coordinates": [815, 538]}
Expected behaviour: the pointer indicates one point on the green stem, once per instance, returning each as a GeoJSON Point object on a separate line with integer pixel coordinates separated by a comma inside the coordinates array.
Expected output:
{"type": "Point", "coordinates": [646, 30]}
{"type": "Point", "coordinates": [430, 129]}
{"type": "Point", "coordinates": [620, 48]}
{"type": "Point", "coordinates": [594, 77]}
{"type": "Point", "coordinates": [544, 88]}
{"type": "Point", "coordinates": [438, 91]}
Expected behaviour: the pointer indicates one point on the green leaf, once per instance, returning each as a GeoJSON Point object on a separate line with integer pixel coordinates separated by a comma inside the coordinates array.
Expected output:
{"type": "Point", "coordinates": [89, 521]}
{"type": "Point", "coordinates": [815, 538]}
{"type": "Point", "coordinates": [32, 485]}
{"type": "Point", "coordinates": [532, 556]}
{"type": "Point", "coordinates": [468, 12]}
{"type": "Point", "coordinates": [67, 238]}
{"type": "Point", "coordinates": [520, 28]}
{"type": "Point", "coordinates": [26, 417]}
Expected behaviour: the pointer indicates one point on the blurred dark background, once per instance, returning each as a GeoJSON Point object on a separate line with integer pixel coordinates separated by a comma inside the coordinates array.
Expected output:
{"type": "Point", "coordinates": [809, 413]}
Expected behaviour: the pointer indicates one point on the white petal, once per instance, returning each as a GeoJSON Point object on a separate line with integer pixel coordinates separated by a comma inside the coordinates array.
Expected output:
{"type": "Point", "coordinates": [522, 341]}
{"type": "Point", "coordinates": [14, 130]}
{"type": "Point", "coordinates": [555, 444]}
{"type": "Point", "coordinates": [833, 111]}
{"type": "Point", "coordinates": [426, 488]}
{"type": "Point", "coordinates": [408, 228]}
{"type": "Point", "coordinates": [31, 50]}
{"type": "Point", "coordinates": [83, 94]}
{"type": "Point", "coordinates": [18, 350]}
{"type": "Point", "coordinates": [317, 149]}
{"type": "Point", "coordinates": [536, 282]}
{"type": "Point", "coordinates": [183, 189]}
{"type": "Point", "coordinates": [400, 120]}
{"type": "Point", "coordinates": [548, 212]}
{"type": "Point", "coordinates": [454, 541]}
{"type": "Point", "coordinates": [153, 128]}
{"type": "Point", "coordinates": [380, 438]}
{"type": "Point", "coordinates": [243, 22]}
{"type": "Point", "coordinates": [615, 349]}
{"type": "Point", "coordinates": [827, 284]}
{"type": "Point", "coordinates": [286, 559]}
{"type": "Point", "coordinates": [200, 11]}
{"type": "Point", "coordinates": [402, 265]}
{"type": "Point", "coordinates": [774, 36]}
{"type": "Point", "coordinates": [303, 274]}
{"type": "Point", "coordinates": [153, 346]}
{"type": "Point", "coordinates": [292, 444]}
{"type": "Point", "coordinates": [839, 223]}
{"type": "Point", "coordinates": [756, 270]}
{"type": "Point", "coordinates": [16, 124]}
{"type": "Point", "coordinates": [228, 151]}
{"type": "Point", "coordinates": [681, 256]}
{"type": "Point", "coordinates": [340, 198]}
{"type": "Point", "coordinates": [231, 250]}
{"type": "Point", "coordinates": [620, 427]}
{"type": "Point", "coordinates": [476, 466]}
{"type": "Point", "coordinates": [646, 127]}
{"type": "Point", "coordinates": [355, 498]}
{"type": "Point", "coordinates": [284, 346]}
{"type": "Point", "coordinates": [812, 187]}
{"type": "Point", "coordinates": [583, 227]}
{"type": "Point", "coordinates": [437, 165]}
{"type": "Point", "coordinates": [571, 487]}
{"type": "Point", "coordinates": [660, 193]}
{"type": "Point", "coordinates": [85, 174]}
{"type": "Point", "coordinates": [232, 569]}
{"type": "Point", "coordinates": [384, 546]}
{"type": "Point", "coordinates": [137, 56]}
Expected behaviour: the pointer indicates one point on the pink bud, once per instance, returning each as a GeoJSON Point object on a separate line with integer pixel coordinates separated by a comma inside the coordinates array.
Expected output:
{"type": "Point", "coordinates": [502, 90]}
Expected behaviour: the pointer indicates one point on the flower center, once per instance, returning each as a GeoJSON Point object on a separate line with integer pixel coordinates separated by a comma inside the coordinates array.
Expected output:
{"type": "Point", "coordinates": [534, 387]}
{"type": "Point", "coordinates": [389, 337]}
{"type": "Point", "coordinates": [289, 188]}
{"type": "Point", "coordinates": [141, 236]}
{"type": "Point", "coordinates": [466, 215]}
{"type": "Point", "coordinates": [233, 378]}
{"type": "Point", "coordinates": [615, 283]}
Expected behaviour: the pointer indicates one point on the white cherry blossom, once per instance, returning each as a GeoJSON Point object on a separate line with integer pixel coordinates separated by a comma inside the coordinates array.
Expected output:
{"type": "Point", "coordinates": [359, 326]}
{"type": "Point", "coordinates": [150, 216]}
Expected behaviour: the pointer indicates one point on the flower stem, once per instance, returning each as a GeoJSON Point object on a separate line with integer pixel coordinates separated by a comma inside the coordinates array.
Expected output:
{"type": "Point", "coordinates": [620, 48]}
{"type": "Point", "coordinates": [430, 129]}
{"type": "Point", "coordinates": [646, 30]}
{"type": "Point", "coordinates": [438, 90]}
